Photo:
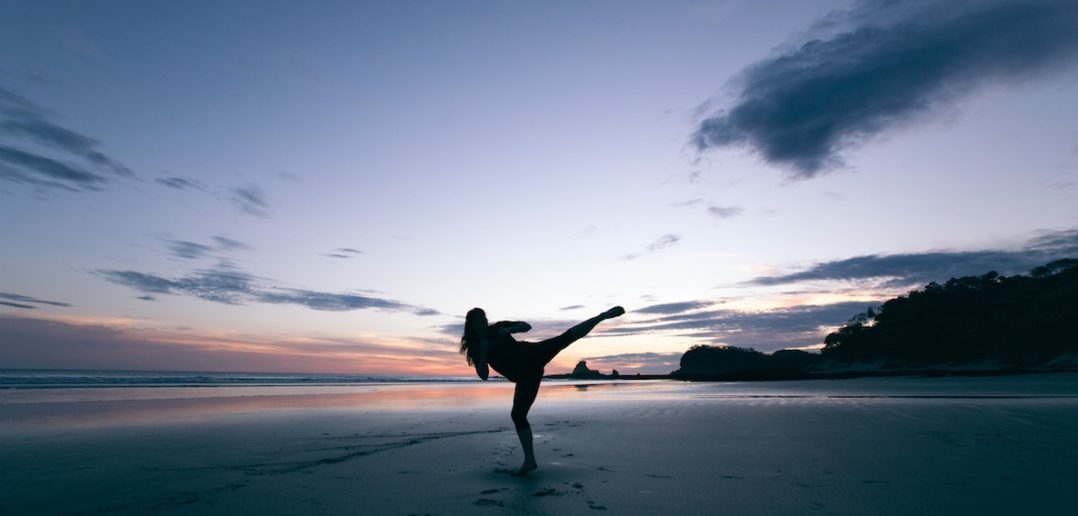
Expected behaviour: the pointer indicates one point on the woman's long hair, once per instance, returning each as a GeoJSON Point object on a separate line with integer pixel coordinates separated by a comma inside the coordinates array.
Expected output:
{"type": "Point", "coordinates": [476, 317]}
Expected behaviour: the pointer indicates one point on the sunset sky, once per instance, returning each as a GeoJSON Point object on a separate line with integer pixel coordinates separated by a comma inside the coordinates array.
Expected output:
{"type": "Point", "coordinates": [330, 186]}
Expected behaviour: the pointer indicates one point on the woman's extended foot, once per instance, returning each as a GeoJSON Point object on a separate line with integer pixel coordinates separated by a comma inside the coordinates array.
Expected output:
{"type": "Point", "coordinates": [613, 312]}
{"type": "Point", "coordinates": [525, 468]}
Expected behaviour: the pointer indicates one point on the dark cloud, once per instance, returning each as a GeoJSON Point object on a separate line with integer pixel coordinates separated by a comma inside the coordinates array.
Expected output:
{"type": "Point", "coordinates": [225, 284]}
{"type": "Point", "coordinates": [147, 298]}
{"type": "Point", "coordinates": [181, 183]}
{"type": "Point", "coordinates": [659, 244]}
{"type": "Point", "coordinates": [76, 163]}
{"type": "Point", "coordinates": [251, 199]}
{"type": "Point", "coordinates": [23, 167]}
{"type": "Point", "coordinates": [571, 307]}
{"type": "Point", "coordinates": [17, 305]}
{"type": "Point", "coordinates": [882, 63]}
{"type": "Point", "coordinates": [908, 269]}
{"type": "Point", "coordinates": [221, 285]}
{"type": "Point", "coordinates": [672, 308]}
{"type": "Point", "coordinates": [188, 250]}
{"type": "Point", "coordinates": [797, 326]}
{"type": "Point", "coordinates": [725, 212]}
{"type": "Point", "coordinates": [20, 301]}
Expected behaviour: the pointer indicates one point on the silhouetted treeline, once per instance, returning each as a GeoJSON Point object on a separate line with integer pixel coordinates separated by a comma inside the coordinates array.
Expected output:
{"type": "Point", "coordinates": [1020, 321]}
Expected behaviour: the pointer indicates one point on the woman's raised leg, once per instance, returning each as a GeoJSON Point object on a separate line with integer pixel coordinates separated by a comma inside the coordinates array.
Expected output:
{"type": "Point", "coordinates": [585, 327]}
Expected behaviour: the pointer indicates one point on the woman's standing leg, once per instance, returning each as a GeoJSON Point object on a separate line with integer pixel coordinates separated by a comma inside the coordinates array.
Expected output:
{"type": "Point", "coordinates": [523, 397]}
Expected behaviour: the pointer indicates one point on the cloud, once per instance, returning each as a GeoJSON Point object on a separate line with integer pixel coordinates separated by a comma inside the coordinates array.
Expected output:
{"type": "Point", "coordinates": [683, 204]}
{"type": "Point", "coordinates": [251, 199]}
{"type": "Point", "coordinates": [725, 212]}
{"type": "Point", "coordinates": [227, 285]}
{"type": "Point", "coordinates": [147, 298]}
{"type": "Point", "coordinates": [661, 243]}
{"type": "Point", "coordinates": [194, 250]}
{"type": "Point", "coordinates": [23, 167]}
{"type": "Point", "coordinates": [571, 307]}
{"type": "Point", "coordinates": [47, 344]}
{"type": "Point", "coordinates": [767, 330]}
{"type": "Point", "coordinates": [631, 363]}
{"type": "Point", "coordinates": [881, 64]}
{"type": "Point", "coordinates": [230, 244]}
{"type": "Point", "coordinates": [908, 269]}
{"type": "Point", "coordinates": [188, 250]}
{"type": "Point", "coordinates": [672, 308]}
{"type": "Point", "coordinates": [181, 183]}
{"type": "Point", "coordinates": [20, 301]}
{"type": "Point", "coordinates": [326, 301]}
{"type": "Point", "coordinates": [344, 253]}
{"type": "Point", "coordinates": [41, 153]}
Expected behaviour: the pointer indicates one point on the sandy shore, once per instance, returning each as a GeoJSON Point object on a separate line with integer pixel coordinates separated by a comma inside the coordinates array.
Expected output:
{"type": "Point", "coordinates": [868, 446]}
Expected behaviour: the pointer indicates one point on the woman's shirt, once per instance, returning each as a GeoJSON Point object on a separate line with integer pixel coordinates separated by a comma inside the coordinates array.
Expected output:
{"type": "Point", "coordinates": [507, 356]}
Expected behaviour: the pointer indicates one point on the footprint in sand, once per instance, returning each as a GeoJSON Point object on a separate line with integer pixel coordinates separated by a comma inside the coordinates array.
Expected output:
{"type": "Point", "coordinates": [547, 491]}
{"type": "Point", "coordinates": [488, 502]}
{"type": "Point", "coordinates": [595, 506]}
{"type": "Point", "coordinates": [492, 491]}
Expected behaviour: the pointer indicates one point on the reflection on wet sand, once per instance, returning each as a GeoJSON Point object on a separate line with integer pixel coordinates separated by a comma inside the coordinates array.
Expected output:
{"type": "Point", "coordinates": [60, 408]}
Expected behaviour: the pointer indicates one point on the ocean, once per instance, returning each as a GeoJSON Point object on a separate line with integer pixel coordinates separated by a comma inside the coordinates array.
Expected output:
{"type": "Point", "coordinates": [60, 379]}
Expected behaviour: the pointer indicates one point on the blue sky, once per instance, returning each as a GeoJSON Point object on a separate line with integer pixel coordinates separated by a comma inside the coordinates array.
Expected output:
{"type": "Point", "coordinates": [291, 187]}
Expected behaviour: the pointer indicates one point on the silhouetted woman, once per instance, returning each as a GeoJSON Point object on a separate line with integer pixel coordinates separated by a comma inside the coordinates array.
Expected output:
{"type": "Point", "coordinates": [520, 362]}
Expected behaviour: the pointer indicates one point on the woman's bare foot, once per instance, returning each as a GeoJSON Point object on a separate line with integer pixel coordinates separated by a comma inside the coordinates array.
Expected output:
{"type": "Point", "coordinates": [613, 312]}
{"type": "Point", "coordinates": [525, 468]}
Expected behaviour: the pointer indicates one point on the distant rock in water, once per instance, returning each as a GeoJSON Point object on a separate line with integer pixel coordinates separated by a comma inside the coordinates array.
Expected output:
{"type": "Point", "coordinates": [582, 372]}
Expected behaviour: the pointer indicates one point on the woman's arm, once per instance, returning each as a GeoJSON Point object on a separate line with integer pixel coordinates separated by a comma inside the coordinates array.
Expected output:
{"type": "Point", "coordinates": [516, 327]}
{"type": "Point", "coordinates": [481, 367]}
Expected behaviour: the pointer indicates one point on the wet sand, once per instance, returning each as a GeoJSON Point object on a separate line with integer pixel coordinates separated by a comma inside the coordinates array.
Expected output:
{"type": "Point", "coordinates": [868, 446]}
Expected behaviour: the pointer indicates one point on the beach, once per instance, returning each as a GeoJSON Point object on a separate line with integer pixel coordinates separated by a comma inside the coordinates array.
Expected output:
{"type": "Point", "coordinates": [998, 445]}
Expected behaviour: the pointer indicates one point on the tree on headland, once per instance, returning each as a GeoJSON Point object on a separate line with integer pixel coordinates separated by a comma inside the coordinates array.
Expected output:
{"type": "Point", "coordinates": [990, 321]}
{"type": "Point", "coordinates": [1019, 321]}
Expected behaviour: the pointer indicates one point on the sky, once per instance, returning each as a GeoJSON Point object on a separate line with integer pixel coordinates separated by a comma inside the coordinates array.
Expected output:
{"type": "Point", "coordinates": [329, 187]}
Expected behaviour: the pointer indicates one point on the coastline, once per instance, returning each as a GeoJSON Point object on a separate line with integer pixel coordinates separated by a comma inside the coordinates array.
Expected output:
{"type": "Point", "coordinates": [774, 375]}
